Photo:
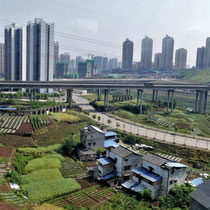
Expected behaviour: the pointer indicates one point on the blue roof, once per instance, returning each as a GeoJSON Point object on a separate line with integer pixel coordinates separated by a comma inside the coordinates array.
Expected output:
{"type": "Point", "coordinates": [108, 176]}
{"type": "Point", "coordinates": [176, 165]}
{"type": "Point", "coordinates": [110, 133]}
{"type": "Point", "coordinates": [105, 161]}
{"type": "Point", "coordinates": [147, 174]}
{"type": "Point", "coordinates": [197, 181]}
{"type": "Point", "coordinates": [109, 143]}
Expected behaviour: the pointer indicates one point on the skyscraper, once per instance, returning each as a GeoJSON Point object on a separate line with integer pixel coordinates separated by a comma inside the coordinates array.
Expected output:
{"type": "Point", "coordinates": [105, 63]}
{"type": "Point", "coordinates": [2, 59]}
{"type": "Point", "coordinates": [56, 55]}
{"type": "Point", "coordinates": [78, 59]}
{"type": "Point", "coordinates": [208, 42]}
{"type": "Point", "coordinates": [181, 58]}
{"type": "Point", "coordinates": [113, 63]}
{"type": "Point", "coordinates": [40, 50]}
{"type": "Point", "coordinates": [200, 56]}
{"type": "Point", "coordinates": [146, 53]}
{"type": "Point", "coordinates": [65, 58]}
{"type": "Point", "coordinates": [167, 53]}
{"type": "Point", "coordinates": [127, 55]}
{"type": "Point", "coordinates": [15, 57]}
{"type": "Point", "coordinates": [99, 63]}
{"type": "Point", "coordinates": [157, 61]}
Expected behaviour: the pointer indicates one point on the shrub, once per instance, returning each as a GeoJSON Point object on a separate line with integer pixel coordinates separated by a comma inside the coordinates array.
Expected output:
{"type": "Point", "coordinates": [41, 175]}
{"type": "Point", "coordinates": [68, 146]}
{"type": "Point", "coordinates": [44, 190]}
{"type": "Point", "coordinates": [12, 176]}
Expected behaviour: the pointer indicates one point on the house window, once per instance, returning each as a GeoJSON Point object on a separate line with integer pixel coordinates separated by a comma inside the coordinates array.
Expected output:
{"type": "Point", "coordinates": [126, 160]}
{"type": "Point", "coordinates": [94, 143]}
{"type": "Point", "coordinates": [127, 168]}
{"type": "Point", "coordinates": [89, 144]}
{"type": "Point", "coordinates": [151, 169]}
{"type": "Point", "coordinates": [171, 182]}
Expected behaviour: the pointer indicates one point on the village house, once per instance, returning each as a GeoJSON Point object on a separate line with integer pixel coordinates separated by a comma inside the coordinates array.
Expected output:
{"type": "Point", "coordinates": [157, 174]}
{"type": "Point", "coordinates": [200, 198]}
{"type": "Point", "coordinates": [117, 165]}
{"type": "Point", "coordinates": [87, 155]}
{"type": "Point", "coordinates": [92, 137]}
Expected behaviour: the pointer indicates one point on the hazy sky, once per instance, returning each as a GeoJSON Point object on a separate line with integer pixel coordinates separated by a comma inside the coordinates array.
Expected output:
{"type": "Point", "coordinates": [187, 21]}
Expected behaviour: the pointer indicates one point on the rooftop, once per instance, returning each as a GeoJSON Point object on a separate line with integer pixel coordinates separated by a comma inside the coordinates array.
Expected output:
{"type": "Point", "coordinates": [155, 159]}
{"type": "Point", "coordinates": [122, 151]}
{"type": "Point", "coordinates": [202, 194]}
{"type": "Point", "coordinates": [110, 143]}
{"type": "Point", "coordinates": [110, 133]}
{"type": "Point", "coordinates": [105, 161]}
{"type": "Point", "coordinates": [147, 174]}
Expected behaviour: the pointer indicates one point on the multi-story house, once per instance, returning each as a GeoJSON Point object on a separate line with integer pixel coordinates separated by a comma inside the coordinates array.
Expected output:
{"type": "Point", "coordinates": [157, 174]}
{"type": "Point", "coordinates": [117, 165]}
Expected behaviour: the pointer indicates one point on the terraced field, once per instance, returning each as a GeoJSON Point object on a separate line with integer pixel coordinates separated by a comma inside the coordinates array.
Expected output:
{"type": "Point", "coordinates": [10, 124]}
{"type": "Point", "coordinates": [90, 197]}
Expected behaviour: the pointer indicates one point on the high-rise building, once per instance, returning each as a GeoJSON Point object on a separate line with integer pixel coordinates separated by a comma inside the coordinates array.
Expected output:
{"type": "Point", "coordinates": [99, 63]}
{"type": "Point", "coordinates": [167, 53]}
{"type": "Point", "coordinates": [127, 55]}
{"type": "Point", "coordinates": [200, 56]}
{"type": "Point", "coordinates": [78, 59]}
{"type": "Point", "coordinates": [157, 61]}
{"type": "Point", "coordinates": [2, 59]}
{"type": "Point", "coordinates": [208, 42]}
{"type": "Point", "coordinates": [40, 50]}
{"type": "Point", "coordinates": [203, 58]}
{"type": "Point", "coordinates": [73, 65]}
{"type": "Point", "coordinates": [87, 69]}
{"type": "Point", "coordinates": [146, 53]}
{"type": "Point", "coordinates": [181, 58]}
{"type": "Point", "coordinates": [56, 55]}
{"type": "Point", "coordinates": [113, 63]}
{"type": "Point", "coordinates": [15, 56]}
{"type": "Point", "coordinates": [105, 63]}
{"type": "Point", "coordinates": [65, 58]}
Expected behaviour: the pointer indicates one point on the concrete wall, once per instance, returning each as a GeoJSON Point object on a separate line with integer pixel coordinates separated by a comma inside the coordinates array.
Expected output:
{"type": "Point", "coordinates": [105, 170]}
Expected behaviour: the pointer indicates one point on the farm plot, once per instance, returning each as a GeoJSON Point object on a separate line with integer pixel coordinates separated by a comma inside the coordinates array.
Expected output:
{"type": "Point", "coordinates": [55, 134]}
{"type": "Point", "coordinates": [161, 122]}
{"type": "Point", "coordinates": [10, 124]}
{"type": "Point", "coordinates": [90, 197]}
{"type": "Point", "coordinates": [71, 168]}
{"type": "Point", "coordinates": [39, 121]}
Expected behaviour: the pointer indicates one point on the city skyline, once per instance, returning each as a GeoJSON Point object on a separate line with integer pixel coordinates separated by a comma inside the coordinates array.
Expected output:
{"type": "Point", "coordinates": [186, 22]}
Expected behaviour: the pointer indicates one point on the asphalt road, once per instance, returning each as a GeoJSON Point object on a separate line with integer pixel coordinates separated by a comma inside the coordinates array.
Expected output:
{"type": "Point", "coordinates": [153, 133]}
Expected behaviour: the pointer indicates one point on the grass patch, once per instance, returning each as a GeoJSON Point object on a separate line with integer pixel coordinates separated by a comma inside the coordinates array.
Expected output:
{"type": "Point", "coordinates": [64, 117]}
{"type": "Point", "coordinates": [44, 190]}
{"type": "Point", "coordinates": [41, 175]}
{"type": "Point", "coordinates": [47, 162]}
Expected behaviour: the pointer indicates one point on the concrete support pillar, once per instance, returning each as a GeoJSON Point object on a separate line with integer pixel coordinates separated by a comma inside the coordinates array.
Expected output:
{"type": "Point", "coordinates": [34, 94]}
{"type": "Point", "coordinates": [99, 95]}
{"type": "Point", "coordinates": [141, 102]}
{"type": "Point", "coordinates": [153, 95]}
{"type": "Point", "coordinates": [128, 92]}
{"type": "Point", "coordinates": [69, 97]}
{"type": "Point", "coordinates": [201, 103]}
{"type": "Point", "coordinates": [156, 96]}
{"type": "Point", "coordinates": [106, 98]}
{"type": "Point", "coordinates": [172, 100]}
{"type": "Point", "coordinates": [168, 101]}
{"type": "Point", "coordinates": [196, 101]}
{"type": "Point", "coordinates": [31, 95]}
{"type": "Point", "coordinates": [206, 101]}
{"type": "Point", "coordinates": [138, 95]}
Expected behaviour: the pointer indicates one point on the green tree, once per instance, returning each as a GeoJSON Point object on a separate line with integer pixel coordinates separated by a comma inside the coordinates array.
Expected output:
{"type": "Point", "coordinates": [118, 125]}
{"type": "Point", "coordinates": [94, 116]}
{"type": "Point", "coordinates": [68, 146]}
{"type": "Point", "coordinates": [109, 121]}
{"type": "Point", "coordinates": [19, 94]}
{"type": "Point", "coordinates": [99, 118]}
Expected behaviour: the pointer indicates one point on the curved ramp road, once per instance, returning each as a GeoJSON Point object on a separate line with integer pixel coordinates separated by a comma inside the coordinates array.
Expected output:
{"type": "Point", "coordinates": [156, 134]}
